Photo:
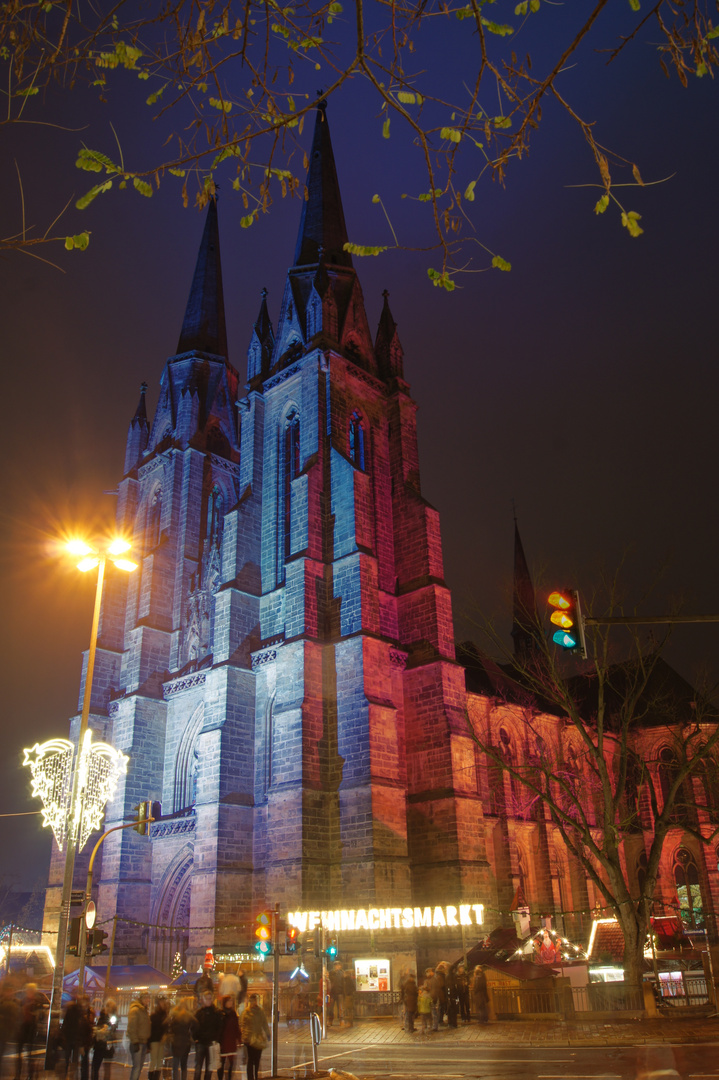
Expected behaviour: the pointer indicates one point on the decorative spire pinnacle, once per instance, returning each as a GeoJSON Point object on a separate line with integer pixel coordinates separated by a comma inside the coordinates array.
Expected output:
{"type": "Point", "coordinates": [204, 326]}
{"type": "Point", "coordinates": [323, 222]}
{"type": "Point", "coordinates": [387, 346]}
{"type": "Point", "coordinates": [525, 623]}
{"type": "Point", "coordinates": [138, 434]}
{"type": "Point", "coordinates": [261, 343]}
{"type": "Point", "coordinates": [140, 416]}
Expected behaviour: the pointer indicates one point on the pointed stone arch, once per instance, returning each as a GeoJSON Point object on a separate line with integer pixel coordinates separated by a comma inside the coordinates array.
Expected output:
{"type": "Point", "coordinates": [171, 911]}
{"type": "Point", "coordinates": [183, 792]}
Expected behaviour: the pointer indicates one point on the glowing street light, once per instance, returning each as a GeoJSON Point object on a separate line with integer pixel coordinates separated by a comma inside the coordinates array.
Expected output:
{"type": "Point", "coordinates": [96, 771]}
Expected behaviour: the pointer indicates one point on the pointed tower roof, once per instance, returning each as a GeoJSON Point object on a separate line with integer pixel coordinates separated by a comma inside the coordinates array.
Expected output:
{"type": "Point", "coordinates": [203, 329]}
{"type": "Point", "coordinates": [323, 221]}
{"type": "Point", "coordinates": [524, 605]}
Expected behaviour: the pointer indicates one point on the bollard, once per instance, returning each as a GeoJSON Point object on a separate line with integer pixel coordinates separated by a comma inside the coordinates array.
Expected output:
{"type": "Point", "coordinates": [316, 1034]}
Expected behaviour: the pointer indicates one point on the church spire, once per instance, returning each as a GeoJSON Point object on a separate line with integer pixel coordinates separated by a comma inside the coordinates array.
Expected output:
{"type": "Point", "coordinates": [323, 221]}
{"type": "Point", "coordinates": [203, 329]}
{"type": "Point", "coordinates": [525, 623]}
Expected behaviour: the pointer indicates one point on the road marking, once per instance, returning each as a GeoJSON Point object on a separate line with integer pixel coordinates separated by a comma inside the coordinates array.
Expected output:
{"type": "Point", "coordinates": [304, 1064]}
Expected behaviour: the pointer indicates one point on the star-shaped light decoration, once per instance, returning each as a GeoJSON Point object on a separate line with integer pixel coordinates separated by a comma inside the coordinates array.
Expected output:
{"type": "Point", "coordinates": [100, 767]}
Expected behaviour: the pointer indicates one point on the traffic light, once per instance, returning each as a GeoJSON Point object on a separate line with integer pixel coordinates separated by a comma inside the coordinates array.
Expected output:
{"type": "Point", "coordinates": [318, 941]}
{"type": "Point", "coordinates": [567, 616]}
{"type": "Point", "coordinates": [331, 950]}
{"type": "Point", "coordinates": [98, 941]}
{"type": "Point", "coordinates": [292, 938]}
{"type": "Point", "coordinates": [263, 933]}
{"type": "Point", "coordinates": [144, 811]}
{"type": "Point", "coordinates": [73, 935]}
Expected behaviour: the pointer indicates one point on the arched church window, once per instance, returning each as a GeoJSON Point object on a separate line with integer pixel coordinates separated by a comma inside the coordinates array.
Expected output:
{"type": "Point", "coordinates": [291, 469]}
{"type": "Point", "coordinates": [356, 440]}
{"type": "Point", "coordinates": [686, 878]}
{"type": "Point", "coordinates": [154, 514]}
{"type": "Point", "coordinates": [668, 769]}
{"type": "Point", "coordinates": [215, 516]}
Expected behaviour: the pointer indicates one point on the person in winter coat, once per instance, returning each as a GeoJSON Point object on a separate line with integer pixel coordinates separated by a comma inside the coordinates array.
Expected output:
{"type": "Point", "coordinates": [9, 1017]}
{"type": "Point", "coordinates": [452, 999]}
{"type": "Point", "coordinates": [105, 1035]}
{"type": "Point", "coordinates": [138, 1032]}
{"type": "Point", "coordinates": [409, 997]}
{"type": "Point", "coordinates": [479, 994]}
{"type": "Point", "coordinates": [76, 1036]}
{"type": "Point", "coordinates": [337, 982]}
{"type": "Point", "coordinates": [180, 1029]}
{"type": "Point", "coordinates": [158, 1019]}
{"type": "Point", "coordinates": [424, 1007]}
{"type": "Point", "coordinates": [348, 998]}
{"type": "Point", "coordinates": [463, 993]}
{"type": "Point", "coordinates": [255, 1035]}
{"type": "Point", "coordinates": [438, 993]}
{"type": "Point", "coordinates": [27, 1029]}
{"type": "Point", "coordinates": [208, 1021]}
{"type": "Point", "coordinates": [230, 1038]}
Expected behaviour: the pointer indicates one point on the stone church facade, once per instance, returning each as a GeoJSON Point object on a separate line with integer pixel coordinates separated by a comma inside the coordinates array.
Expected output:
{"type": "Point", "coordinates": [281, 669]}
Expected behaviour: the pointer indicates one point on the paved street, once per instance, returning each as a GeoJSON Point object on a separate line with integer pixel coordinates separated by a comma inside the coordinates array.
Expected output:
{"type": "Point", "coordinates": [456, 1062]}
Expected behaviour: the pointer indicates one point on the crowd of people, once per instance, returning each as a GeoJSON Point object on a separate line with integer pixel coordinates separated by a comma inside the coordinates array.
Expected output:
{"type": "Point", "coordinates": [446, 995]}
{"type": "Point", "coordinates": [218, 1022]}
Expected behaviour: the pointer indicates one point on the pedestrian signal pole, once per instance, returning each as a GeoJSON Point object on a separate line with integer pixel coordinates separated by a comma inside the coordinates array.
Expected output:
{"type": "Point", "coordinates": [275, 989]}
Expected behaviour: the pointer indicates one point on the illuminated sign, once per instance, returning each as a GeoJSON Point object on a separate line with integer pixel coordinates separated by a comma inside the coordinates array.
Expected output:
{"type": "Point", "coordinates": [389, 918]}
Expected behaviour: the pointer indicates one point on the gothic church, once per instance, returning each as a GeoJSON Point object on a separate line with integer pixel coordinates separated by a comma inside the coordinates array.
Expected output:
{"type": "Point", "coordinates": [281, 668]}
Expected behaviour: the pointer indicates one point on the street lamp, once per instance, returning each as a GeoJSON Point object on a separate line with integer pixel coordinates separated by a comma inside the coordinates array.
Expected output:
{"type": "Point", "coordinates": [89, 559]}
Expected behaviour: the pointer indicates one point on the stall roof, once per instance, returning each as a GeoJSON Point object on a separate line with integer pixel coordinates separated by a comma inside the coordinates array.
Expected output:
{"type": "Point", "coordinates": [122, 977]}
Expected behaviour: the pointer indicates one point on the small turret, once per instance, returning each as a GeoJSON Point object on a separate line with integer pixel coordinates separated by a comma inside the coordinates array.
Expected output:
{"type": "Point", "coordinates": [138, 434]}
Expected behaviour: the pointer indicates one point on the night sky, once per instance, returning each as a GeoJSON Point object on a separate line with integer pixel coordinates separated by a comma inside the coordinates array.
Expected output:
{"type": "Point", "coordinates": [582, 385]}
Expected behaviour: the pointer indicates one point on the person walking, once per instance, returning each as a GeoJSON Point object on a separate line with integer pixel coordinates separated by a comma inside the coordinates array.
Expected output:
{"type": "Point", "coordinates": [138, 1032]}
{"type": "Point", "coordinates": [480, 994]}
{"type": "Point", "coordinates": [104, 1037]}
{"type": "Point", "coordinates": [158, 1033]}
{"type": "Point", "coordinates": [255, 1035]}
{"type": "Point", "coordinates": [230, 1038]}
{"type": "Point", "coordinates": [409, 995]}
{"type": "Point", "coordinates": [208, 1029]}
{"type": "Point", "coordinates": [180, 1030]}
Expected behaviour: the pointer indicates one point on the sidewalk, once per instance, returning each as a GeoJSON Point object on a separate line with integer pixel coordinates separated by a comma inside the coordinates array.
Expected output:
{"type": "Point", "coordinates": [521, 1033]}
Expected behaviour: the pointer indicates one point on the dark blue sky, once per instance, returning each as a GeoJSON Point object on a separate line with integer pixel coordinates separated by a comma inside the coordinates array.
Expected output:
{"type": "Point", "coordinates": [582, 385]}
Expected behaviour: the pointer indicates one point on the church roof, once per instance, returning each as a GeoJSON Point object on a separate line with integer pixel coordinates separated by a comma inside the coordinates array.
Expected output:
{"type": "Point", "coordinates": [203, 329]}
{"type": "Point", "coordinates": [322, 224]}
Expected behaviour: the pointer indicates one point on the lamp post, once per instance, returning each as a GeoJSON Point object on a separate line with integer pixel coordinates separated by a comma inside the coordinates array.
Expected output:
{"type": "Point", "coordinates": [90, 559]}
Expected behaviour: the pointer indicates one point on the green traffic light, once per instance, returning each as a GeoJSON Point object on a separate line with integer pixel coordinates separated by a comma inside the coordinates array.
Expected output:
{"type": "Point", "coordinates": [567, 641]}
